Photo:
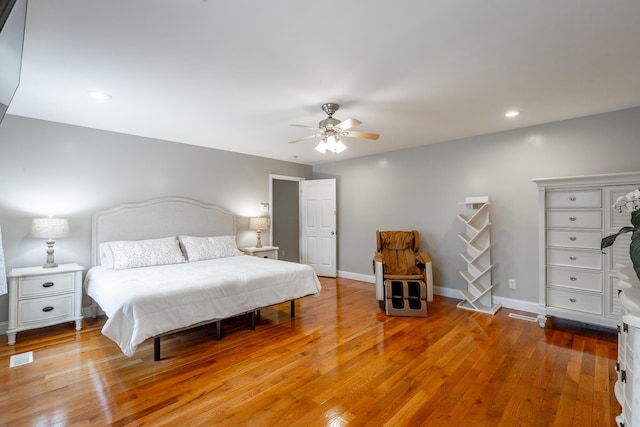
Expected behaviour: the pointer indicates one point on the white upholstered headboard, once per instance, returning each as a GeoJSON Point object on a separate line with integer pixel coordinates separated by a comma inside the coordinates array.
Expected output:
{"type": "Point", "coordinates": [165, 217]}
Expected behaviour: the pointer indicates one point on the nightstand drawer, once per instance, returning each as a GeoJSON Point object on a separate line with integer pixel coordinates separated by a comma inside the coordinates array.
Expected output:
{"type": "Point", "coordinates": [45, 285]}
{"type": "Point", "coordinates": [575, 301]}
{"type": "Point", "coordinates": [574, 219]}
{"type": "Point", "coordinates": [574, 199]}
{"type": "Point", "coordinates": [267, 254]}
{"type": "Point", "coordinates": [45, 309]}
{"type": "Point", "coordinates": [575, 258]}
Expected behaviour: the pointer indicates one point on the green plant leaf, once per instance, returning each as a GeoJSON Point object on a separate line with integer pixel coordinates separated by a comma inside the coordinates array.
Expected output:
{"type": "Point", "coordinates": [635, 218]}
{"type": "Point", "coordinates": [609, 240]}
{"type": "Point", "coordinates": [634, 252]}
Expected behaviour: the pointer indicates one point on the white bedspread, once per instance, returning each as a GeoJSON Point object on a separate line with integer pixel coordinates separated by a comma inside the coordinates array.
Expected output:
{"type": "Point", "coordinates": [144, 302]}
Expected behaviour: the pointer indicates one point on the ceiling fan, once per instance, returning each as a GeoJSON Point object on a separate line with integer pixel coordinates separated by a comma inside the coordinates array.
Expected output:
{"type": "Point", "coordinates": [332, 130]}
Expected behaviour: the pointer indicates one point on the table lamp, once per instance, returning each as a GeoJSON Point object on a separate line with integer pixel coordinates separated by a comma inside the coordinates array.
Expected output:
{"type": "Point", "coordinates": [258, 224]}
{"type": "Point", "coordinates": [50, 229]}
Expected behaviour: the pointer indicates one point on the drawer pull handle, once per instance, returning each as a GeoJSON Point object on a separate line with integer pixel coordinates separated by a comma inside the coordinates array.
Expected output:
{"type": "Point", "coordinates": [573, 279]}
{"type": "Point", "coordinates": [47, 284]}
{"type": "Point", "coordinates": [47, 309]}
{"type": "Point", "coordinates": [572, 299]}
{"type": "Point", "coordinates": [573, 238]}
{"type": "Point", "coordinates": [572, 198]}
{"type": "Point", "coordinates": [572, 218]}
{"type": "Point", "coordinates": [572, 258]}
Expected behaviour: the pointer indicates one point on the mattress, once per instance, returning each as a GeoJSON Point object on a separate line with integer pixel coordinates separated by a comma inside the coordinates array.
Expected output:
{"type": "Point", "coordinates": [145, 302]}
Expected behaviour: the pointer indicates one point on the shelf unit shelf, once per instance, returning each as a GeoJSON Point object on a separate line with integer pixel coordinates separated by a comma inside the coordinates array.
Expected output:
{"type": "Point", "coordinates": [477, 237]}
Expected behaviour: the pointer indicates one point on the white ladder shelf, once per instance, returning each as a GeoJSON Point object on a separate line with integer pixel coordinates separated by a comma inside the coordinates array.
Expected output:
{"type": "Point", "coordinates": [477, 296]}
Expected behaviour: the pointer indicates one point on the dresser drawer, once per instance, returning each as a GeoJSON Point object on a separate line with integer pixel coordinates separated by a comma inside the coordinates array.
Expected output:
{"type": "Point", "coordinates": [575, 301]}
{"type": "Point", "coordinates": [574, 199]}
{"type": "Point", "coordinates": [45, 285]}
{"type": "Point", "coordinates": [576, 279]}
{"type": "Point", "coordinates": [588, 239]}
{"type": "Point", "coordinates": [574, 219]}
{"type": "Point", "coordinates": [40, 310]}
{"type": "Point", "coordinates": [574, 258]}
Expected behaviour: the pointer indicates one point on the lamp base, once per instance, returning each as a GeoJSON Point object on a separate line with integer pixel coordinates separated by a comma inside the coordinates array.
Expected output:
{"type": "Point", "coordinates": [259, 242]}
{"type": "Point", "coordinates": [50, 262]}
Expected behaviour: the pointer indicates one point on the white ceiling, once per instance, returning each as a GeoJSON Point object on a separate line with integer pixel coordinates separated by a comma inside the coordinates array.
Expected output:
{"type": "Point", "coordinates": [234, 74]}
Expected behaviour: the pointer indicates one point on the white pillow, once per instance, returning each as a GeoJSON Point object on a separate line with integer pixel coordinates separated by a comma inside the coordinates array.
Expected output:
{"type": "Point", "coordinates": [201, 248]}
{"type": "Point", "coordinates": [143, 253]}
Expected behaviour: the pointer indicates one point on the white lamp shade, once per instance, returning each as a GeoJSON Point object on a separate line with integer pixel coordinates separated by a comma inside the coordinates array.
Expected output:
{"type": "Point", "coordinates": [49, 228]}
{"type": "Point", "coordinates": [258, 223]}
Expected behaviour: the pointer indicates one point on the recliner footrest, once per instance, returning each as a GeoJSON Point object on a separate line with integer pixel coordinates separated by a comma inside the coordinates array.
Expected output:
{"type": "Point", "coordinates": [406, 298]}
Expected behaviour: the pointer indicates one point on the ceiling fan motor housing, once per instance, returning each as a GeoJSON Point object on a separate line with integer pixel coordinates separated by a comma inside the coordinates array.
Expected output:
{"type": "Point", "coordinates": [328, 123]}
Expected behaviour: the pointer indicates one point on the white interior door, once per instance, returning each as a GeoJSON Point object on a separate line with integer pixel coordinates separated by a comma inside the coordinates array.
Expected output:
{"type": "Point", "coordinates": [318, 225]}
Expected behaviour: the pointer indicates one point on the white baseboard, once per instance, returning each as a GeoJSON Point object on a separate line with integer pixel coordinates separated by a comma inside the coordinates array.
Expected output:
{"type": "Point", "coordinates": [517, 304]}
{"type": "Point", "coordinates": [514, 304]}
{"type": "Point", "coordinates": [86, 311]}
{"type": "Point", "coordinates": [369, 278]}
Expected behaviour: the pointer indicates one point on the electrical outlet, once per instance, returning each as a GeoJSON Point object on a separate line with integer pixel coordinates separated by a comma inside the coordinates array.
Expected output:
{"type": "Point", "coordinates": [512, 284]}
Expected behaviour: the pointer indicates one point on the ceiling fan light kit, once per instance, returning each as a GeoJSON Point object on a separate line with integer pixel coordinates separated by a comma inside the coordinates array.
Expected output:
{"type": "Point", "coordinates": [331, 130]}
{"type": "Point", "coordinates": [330, 143]}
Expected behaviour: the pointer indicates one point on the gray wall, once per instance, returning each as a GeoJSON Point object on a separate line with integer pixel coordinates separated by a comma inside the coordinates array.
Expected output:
{"type": "Point", "coordinates": [71, 172]}
{"type": "Point", "coordinates": [420, 189]}
{"type": "Point", "coordinates": [286, 219]}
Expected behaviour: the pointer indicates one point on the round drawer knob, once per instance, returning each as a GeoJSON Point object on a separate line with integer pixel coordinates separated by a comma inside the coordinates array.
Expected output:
{"type": "Point", "coordinates": [572, 218]}
{"type": "Point", "coordinates": [572, 299]}
{"type": "Point", "coordinates": [573, 279]}
{"type": "Point", "coordinates": [572, 198]}
{"type": "Point", "coordinates": [47, 284]}
{"type": "Point", "coordinates": [47, 309]}
{"type": "Point", "coordinates": [572, 258]}
{"type": "Point", "coordinates": [573, 238]}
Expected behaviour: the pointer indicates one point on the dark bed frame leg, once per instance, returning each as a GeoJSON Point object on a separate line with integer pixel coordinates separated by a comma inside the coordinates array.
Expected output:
{"type": "Point", "coordinates": [219, 330]}
{"type": "Point", "coordinates": [253, 320]}
{"type": "Point", "coordinates": [156, 349]}
{"type": "Point", "coordinates": [293, 308]}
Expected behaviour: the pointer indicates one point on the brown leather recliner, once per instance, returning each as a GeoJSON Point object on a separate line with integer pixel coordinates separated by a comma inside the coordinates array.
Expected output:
{"type": "Point", "coordinates": [398, 257]}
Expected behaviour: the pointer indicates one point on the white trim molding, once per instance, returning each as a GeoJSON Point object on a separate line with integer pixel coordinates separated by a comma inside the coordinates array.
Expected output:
{"type": "Point", "coordinates": [514, 304]}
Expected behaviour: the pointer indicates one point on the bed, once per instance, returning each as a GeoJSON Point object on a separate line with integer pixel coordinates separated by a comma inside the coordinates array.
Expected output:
{"type": "Point", "coordinates": [171, 264]}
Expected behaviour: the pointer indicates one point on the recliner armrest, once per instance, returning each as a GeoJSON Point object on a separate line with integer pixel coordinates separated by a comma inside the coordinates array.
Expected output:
{"type": "Point", "coordinates": [423, 258]}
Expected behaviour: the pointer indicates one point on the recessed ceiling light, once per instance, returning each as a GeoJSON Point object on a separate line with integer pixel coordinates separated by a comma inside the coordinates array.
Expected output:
{"type": "Point", "coordinates": [512, 113]}
{"type": "Point", "coordinates": [100, 96]}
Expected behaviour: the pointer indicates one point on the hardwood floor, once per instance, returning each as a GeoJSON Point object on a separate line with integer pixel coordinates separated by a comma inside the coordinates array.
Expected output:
{"type": "Point", "coordinates": [341, 361]}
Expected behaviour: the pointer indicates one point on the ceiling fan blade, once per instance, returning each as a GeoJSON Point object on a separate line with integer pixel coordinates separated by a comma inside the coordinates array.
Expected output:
{"type": "Point", "coordinates": [306, 127]}
{"type": "Point", "coordinates": [364, 135]}
{"type": "Point", "coordinates": [348, 124]}
{"type": "Point", "coordinates": [302, 139]}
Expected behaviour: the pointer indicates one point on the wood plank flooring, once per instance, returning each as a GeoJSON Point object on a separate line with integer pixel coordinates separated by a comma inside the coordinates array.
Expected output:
{"type": "Point", "coordinates": [340, 361]}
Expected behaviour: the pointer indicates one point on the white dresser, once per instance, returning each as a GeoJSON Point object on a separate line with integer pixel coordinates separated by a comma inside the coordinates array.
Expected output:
{"type": "Point", "coordinates": [576, 279]}
{"type": "Point", "coordinates": [44, 296]}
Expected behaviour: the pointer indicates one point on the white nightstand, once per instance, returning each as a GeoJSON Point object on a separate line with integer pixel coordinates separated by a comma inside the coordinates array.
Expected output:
{"type": "Point", "coordinates": [44, 296]}
{"type": "Point", "coordinates": [263, 252]}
